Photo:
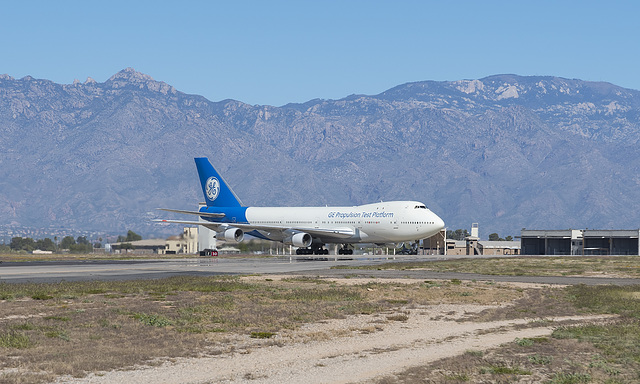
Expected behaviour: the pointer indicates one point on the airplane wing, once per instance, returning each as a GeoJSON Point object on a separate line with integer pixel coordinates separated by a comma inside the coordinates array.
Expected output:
{"type": "Point", "coordinates": [339, 233]}
{"type": "Point", "coordinates": [203, 214]}
{"type": "Point", "coordinates": [342, 233]}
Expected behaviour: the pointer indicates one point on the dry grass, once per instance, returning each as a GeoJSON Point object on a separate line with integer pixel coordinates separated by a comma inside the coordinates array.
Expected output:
{"type": "Point", "coordinates": [517, 362]}
{"type": "Point", "coordinates": [47, 330]}
{"type": "Point", "coordinates": [582, 353]}
{"type": "Point", "coordinates": [603, 266]}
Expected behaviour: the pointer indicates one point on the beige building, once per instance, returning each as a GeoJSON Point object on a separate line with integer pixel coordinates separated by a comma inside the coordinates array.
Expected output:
{"type": "Point", "coordinates": [435, 244]}
{"type": "Point", "coordinates": [472, 245]}
{"type": "Point", "coordinates": [186, 242]}
{"type": "Point", "coordinates": [139, 247]}
{"type": "Point", "coordinates": [456, 247]}
{"type": "Point", "coordinates": [499, 247]}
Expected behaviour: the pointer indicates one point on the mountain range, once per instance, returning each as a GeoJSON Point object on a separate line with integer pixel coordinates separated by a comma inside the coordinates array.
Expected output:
{"type": "Point", "coordinates": [505, 151]}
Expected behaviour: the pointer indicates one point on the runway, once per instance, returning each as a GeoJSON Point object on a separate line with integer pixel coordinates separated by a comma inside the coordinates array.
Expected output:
{"type": "Point", "coordinates": [57, 271]}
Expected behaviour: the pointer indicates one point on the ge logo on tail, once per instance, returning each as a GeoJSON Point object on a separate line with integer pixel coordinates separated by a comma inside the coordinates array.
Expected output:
{"type": "Point", "coordinates": [212, 188]}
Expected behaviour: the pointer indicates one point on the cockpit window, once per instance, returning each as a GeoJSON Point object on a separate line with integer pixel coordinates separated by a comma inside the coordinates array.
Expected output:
{"type": "Point", "coordinates": [420, 207]}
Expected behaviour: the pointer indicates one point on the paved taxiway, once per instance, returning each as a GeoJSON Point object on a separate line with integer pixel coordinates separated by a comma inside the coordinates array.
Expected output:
{"type": "Point", "coordinates": [54, 271]}
{"type": "Point", "coordinates": [40, 272]}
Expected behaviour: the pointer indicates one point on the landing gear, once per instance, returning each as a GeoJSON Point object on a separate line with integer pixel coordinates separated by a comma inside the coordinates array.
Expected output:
{"type": "Point", "coordinates": [345, 250]}
{"type": "Point", "coordinates": [303, 251]}
{"type": "Point", "coordinates": [313, 250]}
{"type": "Point", "coordinates": [409, 251]}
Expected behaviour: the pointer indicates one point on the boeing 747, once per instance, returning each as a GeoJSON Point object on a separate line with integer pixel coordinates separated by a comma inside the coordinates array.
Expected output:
{"type": "Point", "coordinates": [308, 228]}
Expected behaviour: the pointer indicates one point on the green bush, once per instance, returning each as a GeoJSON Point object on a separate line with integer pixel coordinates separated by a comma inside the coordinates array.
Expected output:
{"type": "Point", "coordinates": [262, 335]}
{"type": "Point", "coordinates": [152, 320]}
{"type": "Point", "coordinates": [16, 340]}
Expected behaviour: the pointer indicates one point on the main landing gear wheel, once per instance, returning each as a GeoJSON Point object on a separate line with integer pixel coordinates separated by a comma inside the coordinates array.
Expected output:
{"type": "Point", "coordinates": [345, 251]}
{"type": "Point", "coordinates": [303, 251]}
{"type": "Point", "coordinates": [312, 251]}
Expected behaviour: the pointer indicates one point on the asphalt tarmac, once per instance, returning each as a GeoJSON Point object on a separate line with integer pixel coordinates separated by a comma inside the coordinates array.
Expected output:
{"type": "Point", "coordinates": [57, 271]}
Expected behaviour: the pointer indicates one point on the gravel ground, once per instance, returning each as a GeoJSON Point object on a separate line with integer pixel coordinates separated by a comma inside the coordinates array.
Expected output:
{"type": "Point", "coordinates": [352, 350]}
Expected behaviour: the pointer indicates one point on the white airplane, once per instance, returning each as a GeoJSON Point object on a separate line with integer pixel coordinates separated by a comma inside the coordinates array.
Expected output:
{"type": "Point", "coordinates": [308, 228]}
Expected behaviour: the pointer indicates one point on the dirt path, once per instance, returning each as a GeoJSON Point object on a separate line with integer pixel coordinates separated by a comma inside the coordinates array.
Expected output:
{"type": "Point", "coordinates": [356, 349]}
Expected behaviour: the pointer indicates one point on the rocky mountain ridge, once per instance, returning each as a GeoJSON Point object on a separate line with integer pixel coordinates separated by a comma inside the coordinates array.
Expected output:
{"type": "Point", "coordinates": [506, 151]}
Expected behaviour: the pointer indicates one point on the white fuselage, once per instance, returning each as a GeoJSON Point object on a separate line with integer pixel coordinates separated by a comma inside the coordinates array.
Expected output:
{"type": "Point", "coordinates": [385, 222]}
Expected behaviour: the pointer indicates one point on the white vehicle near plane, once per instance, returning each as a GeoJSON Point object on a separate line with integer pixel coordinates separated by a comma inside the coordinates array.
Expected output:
{"type": "Point", "coordinates": [308, 228]}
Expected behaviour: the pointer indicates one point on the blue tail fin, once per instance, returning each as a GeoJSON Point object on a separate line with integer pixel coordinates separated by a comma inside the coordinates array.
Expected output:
{"type": "Point", "coordinates": [216, 191]}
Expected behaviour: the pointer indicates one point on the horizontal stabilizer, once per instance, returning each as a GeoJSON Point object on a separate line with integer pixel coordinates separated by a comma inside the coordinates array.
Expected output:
{"type": "Point", "coordinates": [203, 214]}
{"type": "Point", "coordinates": [179, 222]}
{"type": "Point", "coordinates": [208, 224]}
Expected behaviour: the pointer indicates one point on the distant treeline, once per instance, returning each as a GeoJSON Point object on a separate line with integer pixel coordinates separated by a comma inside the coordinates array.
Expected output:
{"type": "Point", "coordinates": [77, 245]}
{"type": "Point", "coordinates": [27, 244]}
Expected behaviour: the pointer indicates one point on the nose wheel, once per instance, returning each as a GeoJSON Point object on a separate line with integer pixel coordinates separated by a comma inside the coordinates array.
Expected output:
{"type": "Point", "coordinates": [409, 251]}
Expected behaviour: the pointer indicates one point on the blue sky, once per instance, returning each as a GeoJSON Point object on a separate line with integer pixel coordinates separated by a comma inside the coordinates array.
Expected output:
{"type": "Point", "coordinates": [275, 52]}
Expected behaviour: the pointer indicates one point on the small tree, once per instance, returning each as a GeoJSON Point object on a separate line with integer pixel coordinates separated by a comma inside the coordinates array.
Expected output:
{"type": "Point", "coordinates": [22, 244]}
{"type": "Point", "coordinates": [132, 236]}
{"type": "Point", "coordinates": [67, 242]}
{"type": "Point", "coordinates": [80, 248]}
{"type": "Point", "coordinates": [243, 247]}
{"type": "Point", "coordinates": [495, 237]}
{"type": "Point", "coordinates": [458, 234]}
{"type": "Point", "coordinates": [46, 245]}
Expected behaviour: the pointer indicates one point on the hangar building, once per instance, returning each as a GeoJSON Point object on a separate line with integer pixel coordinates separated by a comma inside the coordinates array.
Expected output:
{"type": "Point", "coordinates": [580, 242]}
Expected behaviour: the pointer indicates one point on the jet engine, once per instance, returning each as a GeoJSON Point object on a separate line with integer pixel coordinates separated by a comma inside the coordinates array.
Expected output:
{"type": "Point", "coordinates": [232, 234]}
{"type": "Point", "coordinates": [299, 239]}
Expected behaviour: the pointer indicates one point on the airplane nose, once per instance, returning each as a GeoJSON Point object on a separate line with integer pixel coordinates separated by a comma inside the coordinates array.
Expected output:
{"type": "Point", "coordinates": [439, 222]}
